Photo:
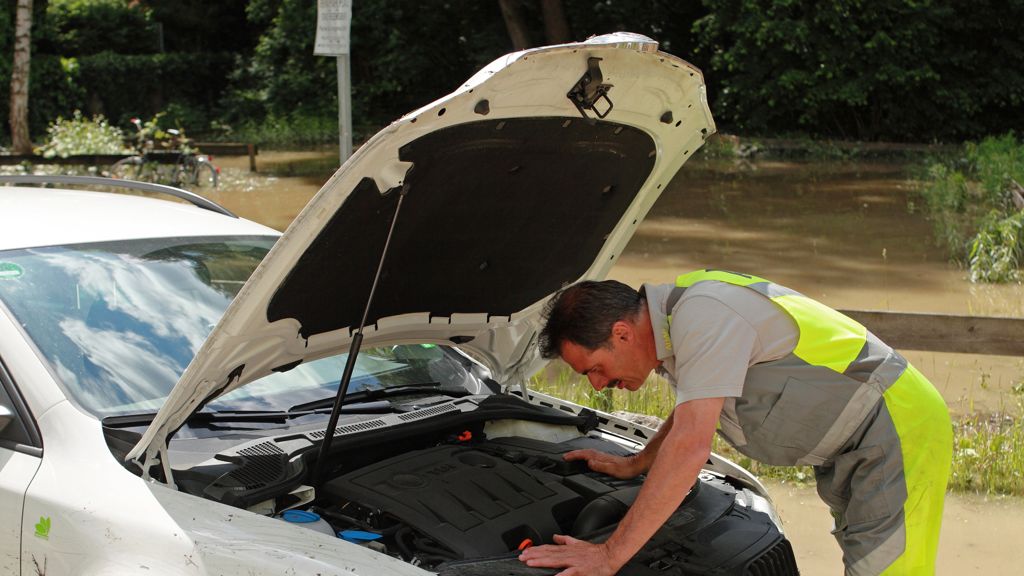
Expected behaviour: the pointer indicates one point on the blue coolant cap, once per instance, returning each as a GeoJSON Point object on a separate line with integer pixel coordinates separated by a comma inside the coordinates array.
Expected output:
{"type": "Point", "coordinates": [300, 516]}
{"type": "Point", "coordinates": [358, 536]}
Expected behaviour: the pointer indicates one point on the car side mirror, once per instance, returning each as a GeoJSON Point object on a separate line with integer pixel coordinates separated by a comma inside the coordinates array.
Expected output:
{"type": "Point", "coordinates": [6, 417]}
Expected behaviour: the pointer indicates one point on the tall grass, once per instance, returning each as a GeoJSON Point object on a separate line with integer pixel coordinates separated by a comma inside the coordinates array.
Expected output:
{"type": "Point", "coordinates": [968, 201]}
{"type": "Point", "coordinates": [293, 131]}
{"type": "Point", "coordinates": [655, 398]}
{"type": "Point", "coordinates": [988, 450]}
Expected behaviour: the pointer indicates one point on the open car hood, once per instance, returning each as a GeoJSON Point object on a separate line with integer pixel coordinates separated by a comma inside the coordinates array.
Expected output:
{"type": "Point", "coordinates": [532, 175]}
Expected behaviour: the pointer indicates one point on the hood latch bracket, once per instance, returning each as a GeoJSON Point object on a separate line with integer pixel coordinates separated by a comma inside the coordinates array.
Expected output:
{"type": "Point", "coordinates": [590, 90]}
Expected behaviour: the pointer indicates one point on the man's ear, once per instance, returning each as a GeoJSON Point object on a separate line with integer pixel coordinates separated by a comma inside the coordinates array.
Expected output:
{"type": "Point", "coordinates": [622, 331]}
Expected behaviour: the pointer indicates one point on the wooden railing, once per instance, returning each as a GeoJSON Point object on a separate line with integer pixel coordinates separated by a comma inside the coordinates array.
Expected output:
{"type": "Point", "coordinates": [945, 332]}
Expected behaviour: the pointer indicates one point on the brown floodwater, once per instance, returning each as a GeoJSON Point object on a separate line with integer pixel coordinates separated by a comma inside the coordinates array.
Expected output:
{"type": "Point", "coordinates": [849, 234]}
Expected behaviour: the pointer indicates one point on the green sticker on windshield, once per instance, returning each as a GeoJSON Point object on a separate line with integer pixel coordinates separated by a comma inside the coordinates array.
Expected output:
{"type": "Point", "coordinates": [10, 271]}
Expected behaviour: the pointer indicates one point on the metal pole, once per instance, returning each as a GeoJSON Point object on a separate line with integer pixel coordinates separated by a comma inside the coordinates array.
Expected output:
{"type": "Point", "coordinates": [344, 108]}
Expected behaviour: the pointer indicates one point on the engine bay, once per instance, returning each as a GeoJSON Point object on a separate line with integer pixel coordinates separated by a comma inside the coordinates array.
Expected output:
{"type": "Point", "coordinates": [468, 508]}
{"type": "Point", "coordinates": [462, 487]}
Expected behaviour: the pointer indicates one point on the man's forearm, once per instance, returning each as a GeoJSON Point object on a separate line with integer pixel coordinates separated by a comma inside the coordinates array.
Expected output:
{"type": "Point", "coordinates": [650, 451]}
{"type": "Point", "coordinates": [681, 452]}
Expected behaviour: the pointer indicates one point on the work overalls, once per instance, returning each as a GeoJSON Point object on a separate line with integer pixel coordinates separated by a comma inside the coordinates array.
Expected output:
{"type": "Point", "coordinates": [875, 430]}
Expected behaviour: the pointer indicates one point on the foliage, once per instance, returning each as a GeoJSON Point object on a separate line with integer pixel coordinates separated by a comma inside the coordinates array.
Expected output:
{"type": "Point", "coordinates": [988, 452]}
{"type": "Point", "coordinates": [995, 254]}
{"type": "Point", "coordinates": [80, 135]}
{"type": "Point", "coordinates": [402, 57]}
{"type": "Point", "coordinates": [910, 70]}
{"type": "Point", "coordinates": [289, 131]}
{"type": "Point", "coordinates": [82, 27]}
{"type": "Point", "coordinates": [890, 69]}
{"type": "Point", "coordinates": [131, 85]}
{"type": "Point", "coordinates": [969, 204]}
{"type": "Point", "coordinates": [54, 90]}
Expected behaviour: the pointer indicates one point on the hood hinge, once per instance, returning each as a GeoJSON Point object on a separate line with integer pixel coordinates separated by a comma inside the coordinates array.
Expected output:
{"type": "Point", "coordinates": [590, 89]}
{"type": "Point", "coordinates": [146, 461]}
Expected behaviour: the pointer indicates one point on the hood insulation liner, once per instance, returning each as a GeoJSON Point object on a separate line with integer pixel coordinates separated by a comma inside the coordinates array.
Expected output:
{"type": "Point", "coordinates": [559, 184]}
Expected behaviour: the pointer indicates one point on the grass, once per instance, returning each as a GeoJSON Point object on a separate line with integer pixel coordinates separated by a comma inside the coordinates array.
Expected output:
{"type": "Point", "coordinates": [966, 197]}
{"type": "Point", "coordinates": [988, 451]}
{"type": "Point", "coordinates": [988, 454]}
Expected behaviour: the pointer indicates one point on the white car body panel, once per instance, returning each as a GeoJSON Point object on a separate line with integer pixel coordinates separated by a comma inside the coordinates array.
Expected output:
{"type": "Point", "coordinates": [63, 217]}
{"type": "Point", "coordinates": [16, 471]}
{"type": "Point", "coordinates": [137, 527]}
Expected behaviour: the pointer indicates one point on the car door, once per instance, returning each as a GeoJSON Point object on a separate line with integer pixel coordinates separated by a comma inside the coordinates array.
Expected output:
{"type": "Point", "coordinates": [20, 455]}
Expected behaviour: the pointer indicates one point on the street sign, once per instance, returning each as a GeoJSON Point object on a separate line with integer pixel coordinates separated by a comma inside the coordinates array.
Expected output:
{"type": "Point", "coordinates": [333, 20]}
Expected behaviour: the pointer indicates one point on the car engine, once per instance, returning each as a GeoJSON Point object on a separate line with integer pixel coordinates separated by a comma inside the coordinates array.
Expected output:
{"type": "Point", "coordinates": [467, 508]}
{"type": "Point", "coordinates": [462, 487]}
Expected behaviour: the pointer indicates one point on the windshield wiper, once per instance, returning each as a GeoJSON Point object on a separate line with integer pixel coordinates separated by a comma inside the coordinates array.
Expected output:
{"type": "Point", "coordinates": [379, 393]}
{"type": "Point", "coordinates": [200, 418]}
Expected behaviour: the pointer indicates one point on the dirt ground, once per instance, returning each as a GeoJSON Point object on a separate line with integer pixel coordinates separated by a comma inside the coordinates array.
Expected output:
{"type": "Point", "coordinates": [979, 535]}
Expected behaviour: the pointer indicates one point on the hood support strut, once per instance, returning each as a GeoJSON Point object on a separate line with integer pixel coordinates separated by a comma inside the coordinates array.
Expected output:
{"type": "Point", "coordinates": [353, 352]}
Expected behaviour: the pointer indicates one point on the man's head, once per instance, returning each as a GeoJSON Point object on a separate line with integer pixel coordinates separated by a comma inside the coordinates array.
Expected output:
{"type": "Point", "coordinates": [602, 330]}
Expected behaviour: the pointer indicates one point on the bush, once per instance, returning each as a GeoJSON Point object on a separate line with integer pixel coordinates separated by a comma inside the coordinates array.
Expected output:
{"type": "Point", "coordinates": [289, 131]}
{"type": "Point", "coordinates": [135, 85]}
{"type": "Point", "coordinates": [889, 69]}
{"type": "Point", "coordinates": [81, 27]}
{"type": "Point", "coordinates": [968, 201]}
{"type": "Point", "coordinates": [80, 135]}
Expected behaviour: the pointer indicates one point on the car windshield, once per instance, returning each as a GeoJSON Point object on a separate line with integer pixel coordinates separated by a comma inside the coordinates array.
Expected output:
{"type": "Point", "coordinates": [119, 321]}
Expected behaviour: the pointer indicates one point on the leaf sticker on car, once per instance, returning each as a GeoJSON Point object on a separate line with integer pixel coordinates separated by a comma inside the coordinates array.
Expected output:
{"type": "Point", "coordinates": [10, 271]}
{"type": "Point", "coordinates": [43, 528]}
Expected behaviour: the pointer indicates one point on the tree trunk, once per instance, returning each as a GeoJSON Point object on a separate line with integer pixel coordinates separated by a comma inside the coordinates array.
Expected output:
{"type": "Point", "coordinates": [20, 141]}
{"type": "Point", "coordinates": [556, 27]}
{"type": "Point", "coordinates": [517, 31]}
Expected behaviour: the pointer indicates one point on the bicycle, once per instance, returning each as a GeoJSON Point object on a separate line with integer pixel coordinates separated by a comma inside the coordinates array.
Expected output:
{"type": "Point", "coordinates": [174, 163]}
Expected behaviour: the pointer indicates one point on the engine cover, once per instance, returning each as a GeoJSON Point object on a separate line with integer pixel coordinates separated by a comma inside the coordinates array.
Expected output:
{"type": "Point", "coordinates": [475, 503]}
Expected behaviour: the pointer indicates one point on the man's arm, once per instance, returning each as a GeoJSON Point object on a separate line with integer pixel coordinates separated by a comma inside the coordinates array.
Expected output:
{"type": "Point", "coordinates": [681, 453]}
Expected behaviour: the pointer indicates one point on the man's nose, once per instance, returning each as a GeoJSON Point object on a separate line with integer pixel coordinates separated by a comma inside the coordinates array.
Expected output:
{"type": "Point", "coordinates": [597, 382]}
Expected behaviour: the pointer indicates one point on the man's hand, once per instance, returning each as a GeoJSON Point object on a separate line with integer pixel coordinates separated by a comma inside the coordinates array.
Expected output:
{"type": "Point", "coordinates": [579, 558]}
{"type": "Point", "coordinates": [620, 467]}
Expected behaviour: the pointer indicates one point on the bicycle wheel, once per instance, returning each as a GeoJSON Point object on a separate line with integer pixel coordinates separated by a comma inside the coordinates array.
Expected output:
{"type": "Point", "coordinates": [182, 175]}
{"type": "Point", "coordinates": [129, 168]}
{"type": "Point", "coordinates": [205, 174]}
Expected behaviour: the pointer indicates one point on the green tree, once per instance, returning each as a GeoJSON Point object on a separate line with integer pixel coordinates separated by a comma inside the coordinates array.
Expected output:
{"type": "Point", "coordinates": [892, 69]}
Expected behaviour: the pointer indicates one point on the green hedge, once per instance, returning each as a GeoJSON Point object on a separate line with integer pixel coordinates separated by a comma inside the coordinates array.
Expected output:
{"type": "Point", "coordinates": [127, 85]}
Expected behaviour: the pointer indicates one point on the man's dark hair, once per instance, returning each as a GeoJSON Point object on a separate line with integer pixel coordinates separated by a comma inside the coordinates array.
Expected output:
{"type": "Point", "coordinates": [584, 314]}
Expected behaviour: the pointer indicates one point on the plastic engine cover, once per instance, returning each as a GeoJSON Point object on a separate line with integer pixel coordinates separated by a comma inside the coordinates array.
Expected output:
{"type": "Point", "coordinates": [474, 503]}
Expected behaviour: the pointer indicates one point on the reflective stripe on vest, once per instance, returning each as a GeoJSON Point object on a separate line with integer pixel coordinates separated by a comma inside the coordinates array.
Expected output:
{"type": "Point", "coordinates": [803, 408]}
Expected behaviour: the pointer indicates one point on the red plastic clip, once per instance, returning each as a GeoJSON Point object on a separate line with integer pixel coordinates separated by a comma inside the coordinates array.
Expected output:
{"type": "Point", "coordinates": [524, 544]}
{"type": "Point", "coordinates": [465, 436]}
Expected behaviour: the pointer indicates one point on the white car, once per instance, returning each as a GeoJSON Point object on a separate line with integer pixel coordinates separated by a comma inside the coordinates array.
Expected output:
{"type": "Point", "coordinates": [169, 370]}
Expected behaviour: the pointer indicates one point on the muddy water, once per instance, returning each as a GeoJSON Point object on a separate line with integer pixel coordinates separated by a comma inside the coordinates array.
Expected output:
{"type": "Point", "coordinates": [281, 187]}
{"type": "Point", "coordinates": [846, 233]}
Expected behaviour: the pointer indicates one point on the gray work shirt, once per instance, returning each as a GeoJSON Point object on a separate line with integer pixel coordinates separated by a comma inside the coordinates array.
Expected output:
{"type": "Point", "coordinates": [717, 332]}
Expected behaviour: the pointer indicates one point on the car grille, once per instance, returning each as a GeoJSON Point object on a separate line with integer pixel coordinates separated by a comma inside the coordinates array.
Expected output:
{"type": "Point", "coordinates": [776, 561]}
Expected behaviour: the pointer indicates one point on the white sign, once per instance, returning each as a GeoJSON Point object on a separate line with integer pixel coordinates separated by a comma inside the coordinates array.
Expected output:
{"type": "Point", "coordinates": [333, 19]}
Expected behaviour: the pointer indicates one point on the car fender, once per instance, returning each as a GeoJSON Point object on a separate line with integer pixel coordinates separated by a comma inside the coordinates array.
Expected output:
{"type": "Point", "coordinates": [87, 514]}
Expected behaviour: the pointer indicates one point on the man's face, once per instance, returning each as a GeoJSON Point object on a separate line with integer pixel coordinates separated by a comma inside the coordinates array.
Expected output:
{"type": "Point", "coordinates": [620, 365]}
